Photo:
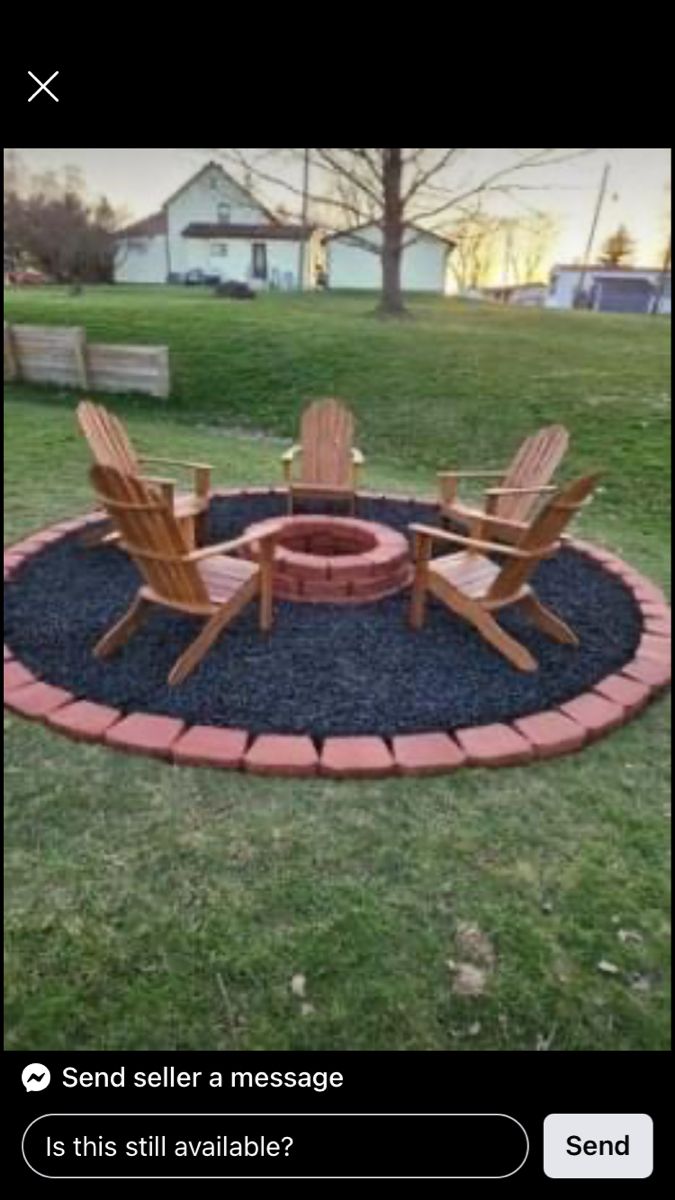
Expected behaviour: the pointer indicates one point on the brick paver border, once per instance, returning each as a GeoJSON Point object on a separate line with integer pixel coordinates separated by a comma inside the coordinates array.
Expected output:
{"type": "Point", "coordinates": [611, 702]}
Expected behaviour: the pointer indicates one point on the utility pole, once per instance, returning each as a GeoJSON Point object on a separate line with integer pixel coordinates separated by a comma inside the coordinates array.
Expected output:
{"type": "Point", "coordinates": [665, 271]}
{"type": "Point", "coordinates": [594, 225]}
{"type": "Point", "coordinates": [305, 205]}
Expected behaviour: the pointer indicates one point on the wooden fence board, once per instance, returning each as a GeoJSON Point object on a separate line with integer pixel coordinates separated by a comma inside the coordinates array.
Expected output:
{"type": "Point", "coordinates": [137, 368]}
{"type": "Point", "coordinates": [44, 354]}
{"type": "Point", "coordinates": [11, 363]}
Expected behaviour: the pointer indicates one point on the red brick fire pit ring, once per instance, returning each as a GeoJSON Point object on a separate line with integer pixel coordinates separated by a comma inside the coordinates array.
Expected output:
{"type": "Point", "coordinates": [336, 560]}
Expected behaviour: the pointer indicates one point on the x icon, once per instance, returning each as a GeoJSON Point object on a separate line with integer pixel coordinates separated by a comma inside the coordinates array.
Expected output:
{"type": "Point", "coordinates": [43, 87]}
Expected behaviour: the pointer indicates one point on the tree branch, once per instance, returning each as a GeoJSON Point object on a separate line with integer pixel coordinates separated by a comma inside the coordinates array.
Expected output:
{"type": "Point", "coordinates": [539, 158]}
{"type": "Point", "coordinates": [277, 181]}
{"type": "Point", "coordinates": [349, 174]}
{"type": "Point", "coordinates": [492, 184]}
{"type": "Point", "coordinates": [375, 167]}
{"type": "Point", "coordinates": [425, 176]}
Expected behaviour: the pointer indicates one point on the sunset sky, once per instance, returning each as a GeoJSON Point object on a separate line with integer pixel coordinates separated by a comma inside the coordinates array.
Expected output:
{"type": "Point", "coordinates": [139, 180]}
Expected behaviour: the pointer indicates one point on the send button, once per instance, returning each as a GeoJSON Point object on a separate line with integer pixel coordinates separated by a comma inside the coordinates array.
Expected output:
{"type": "Point", "coordinates": [598, 1145]}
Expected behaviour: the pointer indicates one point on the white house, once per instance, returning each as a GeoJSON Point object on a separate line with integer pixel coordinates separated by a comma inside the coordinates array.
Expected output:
{"type": "Point", "coordinates": [610, 289]}
{"type": "Point", "coordinates": [354, 259]}
{"type": "Point", "coordinates": [215, 226]}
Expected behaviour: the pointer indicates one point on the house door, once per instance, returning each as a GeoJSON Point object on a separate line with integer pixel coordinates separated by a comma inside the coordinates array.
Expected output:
{"type": "Point", "coordinates": [259, 260]}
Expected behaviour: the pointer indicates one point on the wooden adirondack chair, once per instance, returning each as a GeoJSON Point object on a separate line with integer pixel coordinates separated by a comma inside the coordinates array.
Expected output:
{"type": "Point", "coordinates": [521, 483]}
{"type": "Point", "coordinates": [110, 446]}
{"type": "Point", "coordinates": [208, 583]}
{"type": "Point", "coordinates": [329, 463]}
{"type": "Point", "coordinates": [474, 587]}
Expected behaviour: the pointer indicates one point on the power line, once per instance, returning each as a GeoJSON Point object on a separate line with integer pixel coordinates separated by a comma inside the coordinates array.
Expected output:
{"type": "Point", "coordinates": [594, 224]}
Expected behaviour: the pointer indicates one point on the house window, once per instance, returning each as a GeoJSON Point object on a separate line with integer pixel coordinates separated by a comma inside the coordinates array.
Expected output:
{"type": "Point", "coordinates": [224, 212]}
{"type": "Point", "coordinates": [218, 249]}
{"type": "Point", "coordinates": [259, 260]}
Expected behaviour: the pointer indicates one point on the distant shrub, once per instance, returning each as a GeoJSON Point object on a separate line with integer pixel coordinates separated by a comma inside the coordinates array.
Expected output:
{"type": "Point", "coordinates": [234, 290]}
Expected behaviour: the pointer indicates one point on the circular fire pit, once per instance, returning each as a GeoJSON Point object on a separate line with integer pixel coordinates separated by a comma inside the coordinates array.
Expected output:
{"type": "Point", "coordinates": [399, 701]}
{"type": "Point", "coordinates": [337, 560]}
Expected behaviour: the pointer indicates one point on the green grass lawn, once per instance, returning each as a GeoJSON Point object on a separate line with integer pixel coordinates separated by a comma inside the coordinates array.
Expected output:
{"type": "Point", "coordinates": [160, 908]}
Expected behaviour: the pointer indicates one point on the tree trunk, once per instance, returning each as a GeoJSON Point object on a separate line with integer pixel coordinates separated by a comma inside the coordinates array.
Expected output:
{"type": "Point", "coordinates": [391, 300]}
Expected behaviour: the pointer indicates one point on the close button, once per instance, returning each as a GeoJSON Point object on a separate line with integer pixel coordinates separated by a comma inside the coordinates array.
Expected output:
{"type": "Point", "coordinates": [598, 1145]}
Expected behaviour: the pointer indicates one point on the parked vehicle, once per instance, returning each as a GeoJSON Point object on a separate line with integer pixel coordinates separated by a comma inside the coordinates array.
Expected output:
{"type": "Point", "coordinates": [30, 277]}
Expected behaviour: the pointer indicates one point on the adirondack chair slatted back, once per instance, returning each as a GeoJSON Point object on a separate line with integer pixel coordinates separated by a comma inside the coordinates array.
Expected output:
{"type": "Point", "coordinates": [533, 466]}
{"type": "Point", "coordinates": [326, 434]}
{"type": "Point", "coordinates": [151, 536]}
{"type": "Point", "coordinates": [108, 439]}
{"type": "Point", "coordinates": [540, 538]}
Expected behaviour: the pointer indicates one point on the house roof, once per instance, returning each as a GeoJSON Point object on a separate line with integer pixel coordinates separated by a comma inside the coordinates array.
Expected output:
{"type": "Point", "coordinates": [408, 225]}
{"type": "Point", "coordinates": [147, 227]}
{"type": "Point", "coordinates": [157, 222]}
{"type": "Point", "coordinates": [209, 166]}
{"type": "Point", "coordinates": [609, 269]}
{"type": "Point", "coordinates": [277, 232]}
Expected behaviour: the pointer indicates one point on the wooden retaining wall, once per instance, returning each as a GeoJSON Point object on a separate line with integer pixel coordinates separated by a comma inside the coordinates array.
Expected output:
{"type": "Point", "coordinates": [62, 355]}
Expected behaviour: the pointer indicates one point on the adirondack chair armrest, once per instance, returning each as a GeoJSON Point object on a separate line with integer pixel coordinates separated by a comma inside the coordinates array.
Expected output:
{"type": "Point", "coordinates": [442, 535]}
{"type": "Point", "coordinates": [246, 539]}
{"type": "Point", "coordinates": [287, 459]}
{"type": "Point", "coordinates": [520, 491]}
{"type": "Point", "coordinates": [177, 462]}
{"type": "Point", "coordinates": [449, 481]}
{"type": "Point", "coordinates": [487, 518]}
{"type": "Point", "coordinates": [470, 474]}
{"type": "Point", "coordinates": [202, 471]}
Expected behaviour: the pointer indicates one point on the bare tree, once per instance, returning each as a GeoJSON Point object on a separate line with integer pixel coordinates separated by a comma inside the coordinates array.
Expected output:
{"type": "Point", "coordinates": [527, 241]}
{"type": "Point", "coordinates": [393, 189]}
{"type": "Point", "coordinates": [539, 232]}
{"type": "Point", "coordinates": [50, 224]}
{"type": "Point", "coordinates": [474, 257]}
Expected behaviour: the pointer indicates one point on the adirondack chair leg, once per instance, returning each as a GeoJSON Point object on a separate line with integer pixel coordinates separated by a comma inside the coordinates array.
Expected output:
{"type": "Point", "coordinates": [266, 587]}
{"type": "Point", "coordinates": [493, 633]}
{"type": "Point", "coordinates": [548, 622]}
{"type": "Point", "coordinates": [485, 624]}
{"type": "Point", "coordinates": [123, 630]}
{"type": "Point", "coordinates": [477, 529]}
{"type": "Point", "coordinates": [418, 600]}
{"type": "Point", "coordinates": [195, 652]}
{"type": "Point", "coordinates": [201, 527]}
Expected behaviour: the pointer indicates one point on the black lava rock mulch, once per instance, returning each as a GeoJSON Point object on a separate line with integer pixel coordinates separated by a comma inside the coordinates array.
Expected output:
{"type": "Point", "coordinates": [324, 669]}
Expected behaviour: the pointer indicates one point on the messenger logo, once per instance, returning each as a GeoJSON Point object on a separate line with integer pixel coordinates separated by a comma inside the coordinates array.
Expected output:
{"type": "Point", "coordinates": [35, 1077]}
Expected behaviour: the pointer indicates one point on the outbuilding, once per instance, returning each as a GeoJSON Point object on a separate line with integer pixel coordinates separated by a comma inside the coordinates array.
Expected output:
{"type": "Point", "coordinates": [607, 288]}
{"type": "Point", "coordinates": [354, 259]}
